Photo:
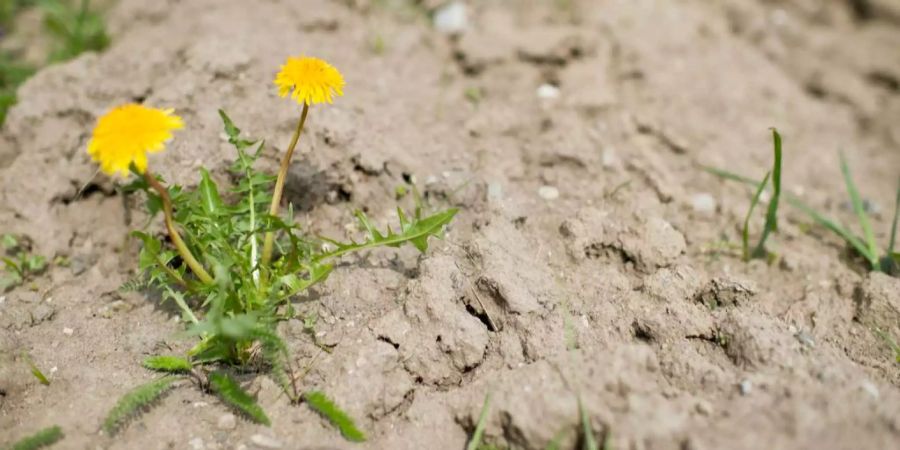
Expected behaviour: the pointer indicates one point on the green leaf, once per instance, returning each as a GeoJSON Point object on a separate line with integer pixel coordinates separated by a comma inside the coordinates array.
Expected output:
{"type": "Point", "coordinates": [136, 400]}
{"type": "Point", "coordinates": [416, 231]}
{"type": "Point", "coordinates": [872, 245]}
{"type": "Point", "coordinates": [36, 371]}
{"type": "Point", "coordinates": [321, 404]}
{"type": "Point", "coordinates": [893, 240]}
{"type": "Point", "coordinates": [231, 393]}
{"type": "Point", "coordinates": [294, 285]}
{"type": "Point", "coordinates": [771, 223]}
{"type": "Point", "coordinates": [590, 443]}
{"type": "Point", "coordinates": [475, 442]}
{"type": "Point", "coordinates": [165, 363]}
{"type": "Point", "coordinates": [209, 195]}
{"type": "Point", "coordinates": [745, 233]}
{"type": "Point", "coordinates": [43, 438]}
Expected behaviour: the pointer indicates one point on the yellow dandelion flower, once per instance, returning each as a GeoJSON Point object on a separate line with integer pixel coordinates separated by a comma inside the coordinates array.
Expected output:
{"type": "Point", "coordinates": [126, 134]}
{"type": "Point", "coordinates": [309, 80]}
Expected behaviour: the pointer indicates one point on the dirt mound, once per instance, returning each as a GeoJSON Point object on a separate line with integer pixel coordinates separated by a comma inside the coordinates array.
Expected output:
{"type": "Point", "coordinates": [582, 266]}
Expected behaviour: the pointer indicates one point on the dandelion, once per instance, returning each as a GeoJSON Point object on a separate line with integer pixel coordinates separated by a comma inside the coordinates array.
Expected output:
{"type": "Point", "coordinates": [125, 135]}
{"type": "Point", "coordinates": [122, 139]}
{"type": "Point", "coordinates": [309, 81]}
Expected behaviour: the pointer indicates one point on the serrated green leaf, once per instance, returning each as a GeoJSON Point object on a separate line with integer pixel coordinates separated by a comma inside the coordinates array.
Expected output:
{"type": "Point", "coordinates": [232, 394]}
{"type": "Point", "coordinates": [416, 231]}
{"type": "Point", "coordinates": [320, 403]}
{"type": "Point", "coordinates": [164, 363]}
{"type": "Point", "coordinates": [134, 401]}
{"type": "Point", "coordinates": [209, 195]}
{"type": "Point", "coordinates": [43, 438]}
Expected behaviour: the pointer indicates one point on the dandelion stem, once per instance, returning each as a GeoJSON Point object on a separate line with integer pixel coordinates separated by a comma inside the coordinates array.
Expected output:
{"type": "Point", "coordinates": [183, 250]}
{"type": "Point", "coordinates": [279, 186]}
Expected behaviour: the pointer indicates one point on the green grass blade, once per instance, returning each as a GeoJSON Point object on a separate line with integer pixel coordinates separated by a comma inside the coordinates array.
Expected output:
{"type": "Point", "coordinates": [171, 364]}
{"type": "Point", "coordinates": [231, 393]}
{"type": "Point", "coordinates": [839, 230]}
{"type": "Point", "coordinates": [475, 442]}
{"type": "Point", "coordinates": [772, 213]}
{"type": "Point", "coordinates": [872, 252]}
{"type": "Point", "coordinates": [893, 241]}
{"type": "Point", "coordinates": [134, 401]}
{"type": "Point", "coordinates": [323, 405]}
{"type": "Point", "coordinates": [745, 232]}
{"type": "Point", "coordinates": [41, 439]}
{"type": "Point", "coordinates": [35, 370]}
{"type": "Point", "coordinates": [590, 443]}
{"type": "Point", "coordinates": [721, 173]}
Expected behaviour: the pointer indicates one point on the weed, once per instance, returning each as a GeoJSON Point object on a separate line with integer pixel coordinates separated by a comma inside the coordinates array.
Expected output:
{"type": "Point", "coordinates": [19, 263]}
{"type": "Point", "coordinates": [233, 267]}
{"type": "Point", "coordinates": [866, 246]}
{"type": "Point", "coordinates": [43, 438]}
{"type": "Point", "coordinates": [475, 442]}
{"type": "Point", "coordinates": [890, 342]}
{"type": "Point", "coordinates": [136, 400]}
{"type": "Point", "coordinates": [35, 370]}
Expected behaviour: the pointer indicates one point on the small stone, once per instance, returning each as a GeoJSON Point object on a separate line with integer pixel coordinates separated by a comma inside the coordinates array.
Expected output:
{"type": "Point", "coordinates": [41, 313]}
{"type": "Point", "coordinates": [196, 444]}
{"type": "Point", "coordinates": [29, 297]}
{"type": "Point", "coordinates": [805, 338]}
{"type": "Point", "coordinates": [548, 92]}
{"type": "Point", "coordinates": [199, 404]}
{"type": "Point", "coordinates": [703, 203]}
{"type": "Point", "coordinates": [263, 441]}
{"type": "Point", "coordinates": [870, 389]}
{"type": "Point", "coordinates": [704, 408]}
{"type": "Point", "coordinates": [495, 191]}
{"type": "Point", "coordinates": [68, 331]}
{"type": "Point", "coordinates": [745, 387]}
{"type": "Point", "coordinates": [609, 159]}
{"type": "Point", "coordinates": [227, 422]}
{"type": "Point", "coordinates": [451, 18]}
{"type": "Point", "coordinates": [548, 192]}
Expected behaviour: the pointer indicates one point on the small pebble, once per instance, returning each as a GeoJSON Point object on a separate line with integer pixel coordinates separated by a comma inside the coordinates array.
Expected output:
{"type": "Point", "coordinates": [703, 203]}
{"type": "Point", "coordinates": [609, 159]}
{"type": "Point", "coordinates": [548, 192]}
{"type": "Point", "coordinates": [870, 389]}
{"type": "Point", "coordinates": [451, 18]}
{"type": "Point", "coordinates": [805, 338]}
{"type": "Point", "coordinates": [548, 92]}
{"type": "Point", "coordinates": [704, 408]}
{"type": "Point", "coordinates": [196, 444]}
{"type": "Point", "coordinates": [227, 422]}
{"type": "Point", "coordinates": [68, 331]}
{"type": "Point", "coordinates": [746, 387]}
{"type": "Point", "coordinates": [495, 191]}
{"type": "Point", "coordinates": [199, 404]}
{"type": "Point", "coordinates": [263, 441]}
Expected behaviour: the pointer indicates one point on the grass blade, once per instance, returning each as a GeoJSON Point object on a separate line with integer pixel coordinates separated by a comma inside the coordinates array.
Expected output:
{"type": "Point", "coordinates": [891, 256]}
{"type": "Point", "coordinates": [323, 405]}
{"type": "Point", "coordinates": [35, 371]}
{"type": "Point", "coordinates": [831, 225]}
{"type": "Point", "coordinates": [745, 233]}
{"type": "Point", "coordinates": [772, 213]}
{"type": "Point", "coordinates": [872, 252]}
{"type": "Point", "coordinates": [231, 393]}
{"type": "Point", "coordinates": [590, 443]}
{"type": "Point", "coordinates": [172, 364]}
{"type": "Point", "coordinates": [134, 401]}
{"type": "Point", "coordinates": [482, 422]}
{"type": "Point", "coordinates": [41, 439]}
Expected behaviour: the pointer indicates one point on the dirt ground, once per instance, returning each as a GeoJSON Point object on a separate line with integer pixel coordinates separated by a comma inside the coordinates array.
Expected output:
{"type": "Point", "coordinates": [571, 133]}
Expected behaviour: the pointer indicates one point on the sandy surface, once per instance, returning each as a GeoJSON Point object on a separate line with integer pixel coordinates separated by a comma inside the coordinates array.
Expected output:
{"type": "Point", "coordinates": [648, 90]}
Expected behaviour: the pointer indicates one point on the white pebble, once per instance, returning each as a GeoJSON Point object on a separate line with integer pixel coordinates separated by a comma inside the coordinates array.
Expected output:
{"type": "Point", "coordinates": [746, 387]}
{"type": "Point", "coordinates": [263, 441]}
{"type": "Point", "coordinates": [870, 389]}
{"type": "Point", "coordinates": [451, 18]}
{"type": "Point", "coordinates": [609, 158]}
{"type": "Point", "coordinates": [703, 203]}
{"type": "Point", "coordinates": [548, 92]}
{"type": "Point", "coordinates": [68, 331]}
{"type": "Point", "coordinates": [227, 422]}
{"type": "Point", "coordinates": [196, 444]}
{"type": "Point", "coordinates": [548, 192]}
